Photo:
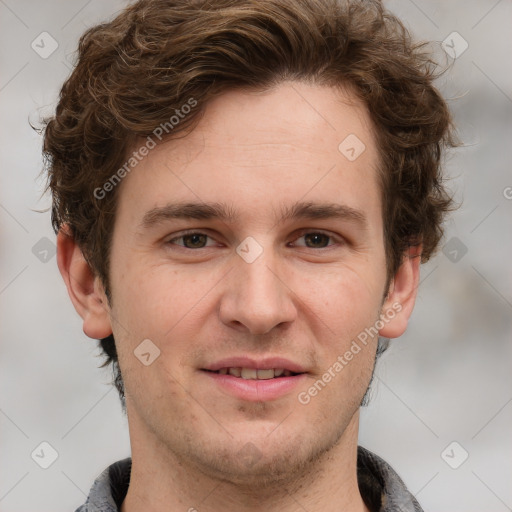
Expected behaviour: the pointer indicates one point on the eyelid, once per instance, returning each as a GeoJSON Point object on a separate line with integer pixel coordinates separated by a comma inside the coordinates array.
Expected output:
{"type": "Point", "coordinates": [182, 234]}
{"type": "Point", "coordinates": [335, 238]}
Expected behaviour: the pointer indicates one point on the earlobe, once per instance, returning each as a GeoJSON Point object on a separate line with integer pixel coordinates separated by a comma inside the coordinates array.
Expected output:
{"type": "Point", "coordinates": [84, 288]}
{"type": "Point", "coordinates": [399, 302]}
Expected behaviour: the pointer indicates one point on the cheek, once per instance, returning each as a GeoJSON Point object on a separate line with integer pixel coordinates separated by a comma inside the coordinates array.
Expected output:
{"type": "Point", "coordinates": [346, 345]}
{"type": "Point", "coordinates": [158, 302]}
{"type": "Point", "coordinates": [344, 299]}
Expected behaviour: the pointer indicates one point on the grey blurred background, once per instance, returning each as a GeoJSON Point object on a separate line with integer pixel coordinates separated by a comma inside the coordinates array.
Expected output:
{"type": "Point", "coordinates": [441, 409]}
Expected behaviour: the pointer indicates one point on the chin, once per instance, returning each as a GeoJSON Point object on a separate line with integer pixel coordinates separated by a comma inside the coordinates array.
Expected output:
{"type": "Point", "coordinates": [264, 461]}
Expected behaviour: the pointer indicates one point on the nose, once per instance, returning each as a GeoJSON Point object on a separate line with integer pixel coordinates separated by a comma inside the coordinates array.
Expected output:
{"type": "Point", "coordinates": [257, 297]}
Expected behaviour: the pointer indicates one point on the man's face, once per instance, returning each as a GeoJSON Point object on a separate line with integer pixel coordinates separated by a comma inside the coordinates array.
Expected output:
{"type": "Point", "coordinates": [254, 291]}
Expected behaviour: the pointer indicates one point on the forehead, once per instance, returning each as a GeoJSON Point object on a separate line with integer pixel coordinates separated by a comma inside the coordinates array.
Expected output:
{"type": "Point", "coordinates": [309, 117]}
{"type": "Point", "coordinates": [295, 141]}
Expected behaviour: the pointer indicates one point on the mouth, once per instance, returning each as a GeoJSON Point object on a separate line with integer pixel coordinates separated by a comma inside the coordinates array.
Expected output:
{"type": "Point", "coordinates": [255, 373]}
{"type": "Point", "coordinates": [254, 380]}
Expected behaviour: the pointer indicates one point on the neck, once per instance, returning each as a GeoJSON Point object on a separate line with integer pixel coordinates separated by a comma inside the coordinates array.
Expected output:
{"type": "Point", "coordinates": [160, 482]}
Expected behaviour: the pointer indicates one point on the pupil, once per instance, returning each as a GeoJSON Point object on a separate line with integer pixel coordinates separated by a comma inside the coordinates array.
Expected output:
{"type": "Point", "coordinates": [196, 239]}
{"type": "Point", "coordinates": [316, 236]}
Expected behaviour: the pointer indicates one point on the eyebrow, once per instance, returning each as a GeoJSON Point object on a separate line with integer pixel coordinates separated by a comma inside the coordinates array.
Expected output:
{"type": "Point", "coordinates": [225, 213]}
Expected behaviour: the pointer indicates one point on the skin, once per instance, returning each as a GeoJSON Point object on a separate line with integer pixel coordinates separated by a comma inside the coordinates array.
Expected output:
{"type": "Point", "coordinates": [257, 152]}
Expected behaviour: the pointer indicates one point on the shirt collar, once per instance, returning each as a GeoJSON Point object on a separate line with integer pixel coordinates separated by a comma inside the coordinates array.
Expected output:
{"type": "Point", "coordinates": [380, 486]}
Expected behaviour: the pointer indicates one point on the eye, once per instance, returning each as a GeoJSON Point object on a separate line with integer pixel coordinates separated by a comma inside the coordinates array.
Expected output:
{"type": "Point", "coordinates": [315, 239]}
{"type": "Point", "coordinates": [198, 240]}
{"type": "Point", "coordinates": [192, 240]}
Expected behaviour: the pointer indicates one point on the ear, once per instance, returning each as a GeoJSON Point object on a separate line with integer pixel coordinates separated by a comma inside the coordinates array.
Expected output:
{"type": "Point", "coordinates": [399, 303]}
{"type": "Point", "coordinates": [84, 288]}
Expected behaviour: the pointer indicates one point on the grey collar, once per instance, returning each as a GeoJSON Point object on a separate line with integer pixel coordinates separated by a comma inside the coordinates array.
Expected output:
{"type": "Point", "coordinates": [382, 489]}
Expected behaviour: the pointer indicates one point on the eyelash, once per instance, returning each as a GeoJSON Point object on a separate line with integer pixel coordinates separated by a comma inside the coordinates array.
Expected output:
{"type": "Point", "coordinates": [301, 234]}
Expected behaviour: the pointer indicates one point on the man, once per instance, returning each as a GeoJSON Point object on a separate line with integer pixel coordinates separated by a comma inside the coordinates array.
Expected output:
{"type": "Point", "coordinates": [243, 192]}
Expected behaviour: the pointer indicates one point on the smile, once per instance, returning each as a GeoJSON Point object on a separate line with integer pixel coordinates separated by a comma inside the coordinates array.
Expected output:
{"type": "Point", "coordinates": [255, 373]}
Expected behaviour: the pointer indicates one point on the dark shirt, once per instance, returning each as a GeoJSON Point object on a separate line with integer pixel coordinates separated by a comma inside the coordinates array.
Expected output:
{"type": "Point", "coordinates": [381, 488]}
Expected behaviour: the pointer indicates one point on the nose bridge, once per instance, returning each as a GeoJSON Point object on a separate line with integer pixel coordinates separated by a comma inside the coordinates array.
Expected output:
{"type": "Point", "coordinates": [255, 296]}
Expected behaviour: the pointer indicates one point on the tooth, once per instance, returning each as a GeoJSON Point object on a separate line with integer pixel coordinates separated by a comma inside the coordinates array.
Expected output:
{"type": "Point", "coordinates": [249, 373]}
{"type": "Point", "coordinates": [265, 374]}
{"type": "Point", "coordinates": [234, 371]}
{"type": "Point", "coordinates": [254, 374]}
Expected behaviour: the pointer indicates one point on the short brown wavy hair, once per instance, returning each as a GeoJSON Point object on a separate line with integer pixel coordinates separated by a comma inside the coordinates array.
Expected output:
{"type": "Point", "coordinates": [133, 72]}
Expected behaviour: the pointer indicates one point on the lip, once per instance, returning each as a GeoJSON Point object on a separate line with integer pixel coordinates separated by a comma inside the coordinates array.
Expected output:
{"type": "Point", "coordinates": [261, 364]}
{"type": "Point", "coordinates": [255, 390]}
